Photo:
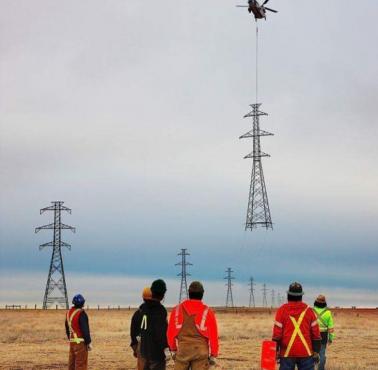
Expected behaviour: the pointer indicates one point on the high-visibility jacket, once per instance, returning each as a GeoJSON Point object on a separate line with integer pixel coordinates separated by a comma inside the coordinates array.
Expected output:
{"type": "Point", "coordinates": [325, 321]}
{"type": "Point", "coordinates": [295, 329]}
{"type": "Point", "coordinates": [76, 335]}
{"type": "Point", "coordinates": [205, 322]}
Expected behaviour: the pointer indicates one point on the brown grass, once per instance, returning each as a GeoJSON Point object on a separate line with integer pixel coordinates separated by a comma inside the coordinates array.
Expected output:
{"type": "Point", "coordinates": [36, 340]}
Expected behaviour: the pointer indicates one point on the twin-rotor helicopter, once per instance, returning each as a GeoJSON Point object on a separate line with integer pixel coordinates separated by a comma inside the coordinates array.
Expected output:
{"type": "Point", "coordinates": [259, 11]}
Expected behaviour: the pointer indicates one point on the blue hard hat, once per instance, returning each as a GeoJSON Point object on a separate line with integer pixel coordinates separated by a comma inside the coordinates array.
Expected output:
{"type": "Point", "coordinates": [78, 300]}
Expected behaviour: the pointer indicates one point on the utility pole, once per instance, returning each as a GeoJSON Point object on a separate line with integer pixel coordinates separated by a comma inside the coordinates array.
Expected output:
{"type": "Point", "coordinates": [258, 211]}
{"type": "Point", "coordinates": [251, 293]}
{"type": "Point", "coordinates": [56, 281]}
{"type": "Point", "coordinates": [229, 278]}
{"type": "Point", "coordinates": [184, 273]}
{"type": "Point", "coordinates": [273, 298]}
{"type": "Point", "coordinates": [264, 291]}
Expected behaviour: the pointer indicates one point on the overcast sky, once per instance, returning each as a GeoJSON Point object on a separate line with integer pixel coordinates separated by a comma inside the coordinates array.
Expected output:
{"type": "Point", "coordinates": [130, 112]}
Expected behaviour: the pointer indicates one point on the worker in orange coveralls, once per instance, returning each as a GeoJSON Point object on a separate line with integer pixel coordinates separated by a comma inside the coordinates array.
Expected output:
{"type": "Point", "coordinates": [193, 333]}
{"type": "Point", "coordinates": [296, 332]}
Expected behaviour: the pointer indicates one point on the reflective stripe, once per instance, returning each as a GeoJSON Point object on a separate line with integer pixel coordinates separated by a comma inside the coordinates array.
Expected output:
{"type": "Point", "coordinates": [320, 317]}
{"type": "Point", "coordinates": [204, 317]}
{"type": "Point", "coordinates": [278, 324]}
{"type": "Point", "coordinates": [177, 311]}
{"type": "Point", "coordinates": [297, 332]}
{"type": "Point", "coordinates": [75, 338]}
{"type": "Point", "coordinates": [143, 325]}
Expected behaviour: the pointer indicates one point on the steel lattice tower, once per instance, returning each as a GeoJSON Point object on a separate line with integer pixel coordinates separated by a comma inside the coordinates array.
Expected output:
{"type": "Point", "coordinates": [251, 293]}
{"type": "Point", "coordinates": [184, 273]}
{"type": "Point", "coordinates": [56, 280]}
{"type": "Point", "coordinates": [229, 298]}
{"type": "Point", "coordinates": [273, 302]}
{"type": "Point", "coordinates": [264, 291]}
{"type": "Point", "coordinates": [258, 212]}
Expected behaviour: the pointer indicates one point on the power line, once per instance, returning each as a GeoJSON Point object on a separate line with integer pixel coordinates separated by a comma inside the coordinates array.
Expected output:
{"type": "Point", "coordinates": [56, 281]}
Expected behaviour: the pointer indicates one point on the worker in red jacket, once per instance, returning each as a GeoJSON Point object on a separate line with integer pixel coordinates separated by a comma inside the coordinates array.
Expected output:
{"type": "Point", "coordinates": [77, 330]}
{"type": "Point", "coordinates": [296, 332]}
{"type": "Point", "coordinates": [192, 332]}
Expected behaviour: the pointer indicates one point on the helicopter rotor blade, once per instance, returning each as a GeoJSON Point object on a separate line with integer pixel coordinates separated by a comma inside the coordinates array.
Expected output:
{"type": "Point", "coordinates": [241, 6]}
{"type": "Point", "coordinates": [265, 2]}
{"type": "Point", "coordinates": [271, 10]}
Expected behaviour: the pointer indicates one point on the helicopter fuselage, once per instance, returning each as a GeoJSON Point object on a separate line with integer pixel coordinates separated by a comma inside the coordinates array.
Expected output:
{"type": "Point", "coordinates": [257, 10]}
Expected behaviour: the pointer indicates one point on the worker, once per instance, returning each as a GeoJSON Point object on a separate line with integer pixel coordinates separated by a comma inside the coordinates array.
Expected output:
{"type": "Point", "coordinates": [325, 321]}
{"type": "Point", "coordinates": [192, 332]}
{"type": "Point", "coordinates": [153, 329]}
{"type": "Point", "coordinates": [296, 332]}
{"type": "Point", "coordinates": [77, 330]}
{"type": "Point", "coordinates": [136, 321]}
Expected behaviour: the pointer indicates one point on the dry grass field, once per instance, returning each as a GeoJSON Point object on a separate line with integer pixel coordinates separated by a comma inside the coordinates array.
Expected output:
{"type": "Point", "coordinates": [36, 340]}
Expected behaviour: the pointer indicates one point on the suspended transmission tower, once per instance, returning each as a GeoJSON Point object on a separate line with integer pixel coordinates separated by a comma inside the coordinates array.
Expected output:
{"type": "Point", "coordinates": [56, 290]}
{"type": "Point", "coordinates": [184, 273]}
{"type": "Point", "coordinates": [251, 293]}
{"type": "Point", "coordinates": [273, 294]}
{"type": "Point", "coordinates": [264, 291]}
{"type": "Point", "coordinates": [229, 298]}
{"type": "Point", "coordinates": [258, 212]}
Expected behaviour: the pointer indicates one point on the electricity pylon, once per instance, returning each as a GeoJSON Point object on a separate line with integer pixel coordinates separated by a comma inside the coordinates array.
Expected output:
{"type": "Point", "coordinates": [273, 303]}
{"type": "Point", "coordinates": [229, 298]}
{"type": "Point", "coordinates": [251, 293]}
{"type": "Point", "coordinates": [184, 273]}
{"type": "Point", "coordinates": [258, 211]}
{"type": "Point", "coordinates": [56, 280]}
{"type": "Point", "coordinates": [264, 291]}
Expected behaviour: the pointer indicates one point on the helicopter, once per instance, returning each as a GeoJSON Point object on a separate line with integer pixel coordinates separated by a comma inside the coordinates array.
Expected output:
{"type": "Point", "coordinates": [259, 11]}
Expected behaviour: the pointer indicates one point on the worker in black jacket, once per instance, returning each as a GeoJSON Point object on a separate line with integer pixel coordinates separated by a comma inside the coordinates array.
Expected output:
{"type": "Point", "coordinates": [136, 321]}
{"type": "Point", "coordinates": [154, 328]}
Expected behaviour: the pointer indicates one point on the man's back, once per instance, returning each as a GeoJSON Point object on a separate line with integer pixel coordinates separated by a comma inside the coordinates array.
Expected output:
{"type": "Point", "coordinates": [153, 330]}
{"type": "Point", "coordinates": [295, 328]}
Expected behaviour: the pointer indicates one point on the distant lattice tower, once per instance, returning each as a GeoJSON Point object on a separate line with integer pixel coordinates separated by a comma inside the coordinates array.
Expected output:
{"type": "Point", "coordinates": [258, 211]}
{"type": "Point", "coordinates": [229, 278]}
{"type": "Point", "coordinates": [273, 296]}
{"type": "Point", "coordinates": [184, 273]}
{"type": "Point", "coordinates": [264, 291]}
{"type": "Point", "coordinates": [56, 281]}
{"type": "Point", "coordinates": [251, 293]}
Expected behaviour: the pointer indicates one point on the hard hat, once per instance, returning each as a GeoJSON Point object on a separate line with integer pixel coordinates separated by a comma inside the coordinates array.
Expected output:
{"type": "Point", "coordinates": [295, 289]}
{"type": "Point", "coordinates": [320, 299]}
{"type": "Point", "coordinates": [159, 287]}
{"type": "Point", "coordinates": [78, 300]}
{"type": "Point", "coordinates": [147, 294]}
{"type": "Point", "coordinates": [196, 287]}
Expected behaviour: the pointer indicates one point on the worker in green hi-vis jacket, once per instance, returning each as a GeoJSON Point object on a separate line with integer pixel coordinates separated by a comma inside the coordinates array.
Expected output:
{"type": "Point", "coordinates": [325, 321]}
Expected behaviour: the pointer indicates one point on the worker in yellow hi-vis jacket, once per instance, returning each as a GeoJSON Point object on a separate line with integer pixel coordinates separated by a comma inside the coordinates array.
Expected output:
{"type": "Point", "coordinates": [325, 321]}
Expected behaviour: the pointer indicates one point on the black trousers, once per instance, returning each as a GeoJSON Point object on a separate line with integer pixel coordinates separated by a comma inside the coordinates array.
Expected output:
{"type": "Point", "coordinates": [154, 365]}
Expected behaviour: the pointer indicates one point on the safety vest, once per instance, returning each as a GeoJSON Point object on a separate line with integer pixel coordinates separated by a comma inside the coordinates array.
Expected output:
{"type": "Point", "coordinates": [325, 320]}
{"type": "Point", "coordinates": [297, 332]}
{"type": "Point", "coordinates": [73, 324]}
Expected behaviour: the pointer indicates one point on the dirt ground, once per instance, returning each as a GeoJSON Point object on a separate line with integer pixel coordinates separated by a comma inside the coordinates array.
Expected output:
{"type": "Point", "coordinates": [36, 340]}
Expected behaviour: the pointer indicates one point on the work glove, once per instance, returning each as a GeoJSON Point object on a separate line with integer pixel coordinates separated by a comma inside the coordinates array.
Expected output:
{"type": "Point", "coordinates": [89, 347]}
{"type": "Point", "coordinates": [316, 357]}
{"type": "Point", "coordinates": [168, 354]}
{"type": "Point", "coordinates": [212, 361]}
